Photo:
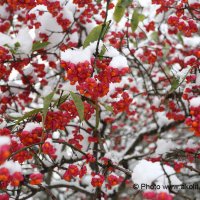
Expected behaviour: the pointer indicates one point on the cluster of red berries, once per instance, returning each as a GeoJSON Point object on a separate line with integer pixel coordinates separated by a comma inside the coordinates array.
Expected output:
{"type": "Point", "coordinates": [76, 139]}
{"type": "Point", "coordinates": [53, 7]}
{"type": "Point", "coordinates": [5, 132]}
{"type": "Point", "coordinates": [97, 86]}
{"type": "Point", "coordinates": [194, 121]}
{"type": "Point", "coordinates": [36, 178]}
{"type": "Point", "coordinates": [92, 139]}
{"type": "Point", "coordinates": [93, 89]}
{"type": "Point", "coordinates": [22, 155]}
{"type": "Point", "coordinates": [4, 153]}
{"type": "Point", "coordinates": [150, 56]}
{"type": "Point", "coordinates": [30, 21]}
{"type": "Point", "coordinates": [112, 75]}
{"type": "Point", "coordinates": [4, 196]}
{"type": "Point", "coordinates": [112, 180]}
{"type": "Point", "coordinates": [123, 104]}
{"type": "Point", "coordinates": [28, 4]}
{"type": "Point", "coordinates": [97, 180]}
{"type": "Point", "coordinates": [116, 39]}
{"type": "Point", "coordinates": [82, 3]}
{"type": "Point", "coordinates": [176, 113]}
{"type": "Point", "coordinates": [7, 178]}
{"type": "Point", "coordinates": [150, 26]}
{"type": "Point", "coordinates": [39, 69]}
{"type": "Point", "coordinates": [154, 108]}
{"type": "Point", "coordinates": [25, 97]}
{"type": "Point", "coordinates": [74, 171]}
{"type": "Point", "coordinates": [4, 56]}
{"type": "Point", "coordinates": [89, 12]}
{"type": "Point", "coordinates": [48, 148]}
{"type": "Point", "coordinates": [191, 78]}
{"type": "Point", "coordinates": [151, 195]}
{"type": "Point", "coordinates": [178, 166]}
{"type": "Point", "coordinates": [70, 108]}
{"type": "Point", "coordinates": [20, 64]}
{"type": "Point", "coordinates": [192, 61]}
{"type": "Point", "coordinates": [164, 5]}
{"type": "Point", "coordinates": [187, 26]}
{"type": "Point", "coordinates": [4, 72]}
{"type": "Point", "coordinates": [5, 101]}
{"type": "Point", "coordinates": [191, 92]}
{"type": "Point", "coordinates": [89, 158]}
{"type": "Point", "coordinates": [4, 26]}
{"type": "Point", "coordinates": [77, 72]}
{"type": "Point", "coordinates": [31, 137]}
{"type": "Point", "coordinates": [63, 22]}
{"type": "Point", "coordinates": [56, 120]}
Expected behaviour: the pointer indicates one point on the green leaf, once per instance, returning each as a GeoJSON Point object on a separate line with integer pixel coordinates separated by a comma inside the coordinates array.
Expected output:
{"type": "Point", "coordinates": [154, 36]}
{"type": "Point", "coordinates": [120, 9]}
{"type": "Point", "coordinates": [174, 84]}
{"type": "Point", "coordinates": [15, 49]}
{"type": "Point", "coordinates": [79, 105]}
{"type": "Point", "coordinates": [46, 104]}
{"type": "Point", "coordinates": [166, 49]}
{"type": "Point", "coordinates": [180, 38]}
{"type": "Point", "coordinates": [17, 45]}
{"type": "Point", "coordinates": [96, 33]}
{"type": "Point", "coordinates": [29, 114]}
{"type": "Point", "coordinates": [124, 3]}
{"type": "Point", "coordinates": [108, 108]}
{"type": "Point", "coordinates": [103, 50]}
{"type": "Point", "coordinates": [119, 12]}
{"type": "Point", "coordinates": [39, 45]}
{"type": "Point", "coordinates": [136, 18]}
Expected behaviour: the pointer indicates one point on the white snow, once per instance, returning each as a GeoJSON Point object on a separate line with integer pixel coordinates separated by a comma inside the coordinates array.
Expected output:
{"type": "Point", "coordinates": [178, 72]}
{"type": "Point", "coordinates": [15, 114]}
{"type": "Point", "coordinates": [111, 52]}
{"type": "Point", "coordinates": [119, 62]}
{"type": "Point", "coordinates": [76, 55]}
{"type": "Point", "coordinates": [113, 155]}
{"type": "Point", "coordinates": [4, 14]}
{"type": "Point", "coordinates": [12, 166]}
{"type": "Point", "coordinates": [4, 140]}
{"type": "Point", "coordinates": [3, 124]}
{"type": "Point", "coordinates": [5, 39]}
{"type": "Point", "coordinates": [25, 41]}
{"type": "Point", "coordinates": [23, 38]}
{"type": "Point", "coordinates": [193, 1]}
{"type": "Point", "coordinates": [194, 41]}
{"type": "Point", "coordinates": [67, 87]}
{"type": "Point", "coordinates": [191, 144]}
{"type": "Point", "coordinates": [146, 3]}
{"type": "Point", "coordinates": [195, 102]}
{"type": "Point", "coordinates": [156, 101]}
{"type": "Point", "coordinates": [162, 120]}
{"type": "Point", "coordinates": [92, 47]}
{"type": "Point", "coordinates": [31, 125]}
{"type": "Point", "coordinates": [147, 172]}
{"type": "Point", "coordinates": [164, 146]}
